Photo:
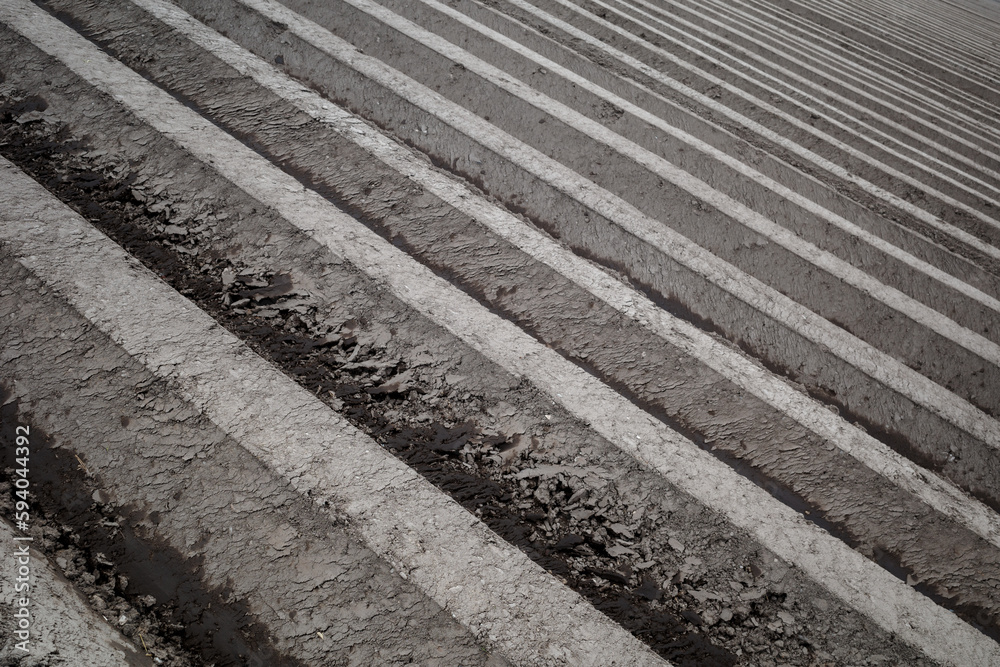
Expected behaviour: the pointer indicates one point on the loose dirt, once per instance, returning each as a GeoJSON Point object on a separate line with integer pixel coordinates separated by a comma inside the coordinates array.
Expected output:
{"type": "Point", "coordinates": [700, 601]}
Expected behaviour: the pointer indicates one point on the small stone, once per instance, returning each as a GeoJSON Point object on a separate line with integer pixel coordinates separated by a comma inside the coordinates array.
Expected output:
{"type": "Point", "coordinates": [228, 277]}
{"type": "Point", "coordinates": [542, 495]}
{"type": "Point", "coordinates": [701, 596]}
{"type": "Point", "coordinates": [726, 615]}
{"type": "Point", "coordinates": [620, 529]}
{"type": "Point", "coordinates": [617, 551]}
{"type": "Point", "coordinates": [675, 545]}
{"type": "Point", "coordinates": [399, 383]}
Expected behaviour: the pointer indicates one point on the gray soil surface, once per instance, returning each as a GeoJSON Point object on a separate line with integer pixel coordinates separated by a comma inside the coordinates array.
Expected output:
{"type": "Point", "coordinates": [642, 552]}
{"type": "Point", "coordinates": [180, 543]}
{"type": "Point", "coordinates": [155, 523]}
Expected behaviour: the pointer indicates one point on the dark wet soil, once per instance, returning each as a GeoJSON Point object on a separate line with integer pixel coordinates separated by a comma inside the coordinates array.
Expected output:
{"type": "Point", "coordinates": [147, 590]}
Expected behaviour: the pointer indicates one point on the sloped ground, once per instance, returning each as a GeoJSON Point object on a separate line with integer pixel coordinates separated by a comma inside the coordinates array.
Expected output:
{"type": "Point", "coordinates": [493, 333]}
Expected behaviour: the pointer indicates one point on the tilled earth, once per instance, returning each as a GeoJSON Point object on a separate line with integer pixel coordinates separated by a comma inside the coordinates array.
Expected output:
{"type": "Point", "coordinates": [495, 332]}
{"type": "Point", "coordinates": [658, 563]}
{"type": "Point", "coordinates": [85, 538]}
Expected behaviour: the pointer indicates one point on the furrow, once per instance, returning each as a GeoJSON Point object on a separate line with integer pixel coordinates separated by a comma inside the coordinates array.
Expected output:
{"type": "Point", "coordinates": [462, 334]}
